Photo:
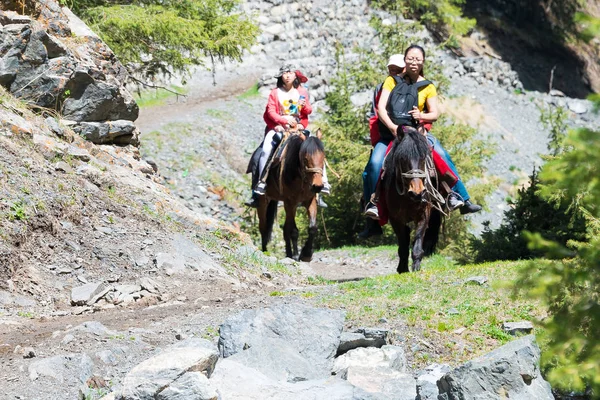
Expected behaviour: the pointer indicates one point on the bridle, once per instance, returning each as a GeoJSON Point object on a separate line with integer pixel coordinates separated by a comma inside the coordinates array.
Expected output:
{"type": "Point", "coordinates": [430, 193]}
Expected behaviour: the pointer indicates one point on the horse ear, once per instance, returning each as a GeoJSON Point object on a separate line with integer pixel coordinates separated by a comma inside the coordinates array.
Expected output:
{"type": "Point", "coordinates": [319, 134]}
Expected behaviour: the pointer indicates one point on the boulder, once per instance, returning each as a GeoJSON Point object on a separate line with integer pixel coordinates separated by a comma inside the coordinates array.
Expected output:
{"type": "Point", "coordinates": [312, 332]}
{"type": "Point", "coordinates": [236, 381]}
{"type": "Point", "coordinates": [191, 385]}
{"type": "Point", "coordinates": [151, 377]}
{"type": "Point", "coordinates": [511, 371]}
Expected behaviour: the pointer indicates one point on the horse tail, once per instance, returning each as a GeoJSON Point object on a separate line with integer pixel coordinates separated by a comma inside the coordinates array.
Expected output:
{"type": "Point", "coordinates": [271, 214]}
{"type": "Point", "coordinates": [432, 234]}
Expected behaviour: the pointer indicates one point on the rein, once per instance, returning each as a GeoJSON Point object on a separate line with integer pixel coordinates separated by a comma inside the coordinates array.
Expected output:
{"type": "Point", "coordinates": [432, 193]}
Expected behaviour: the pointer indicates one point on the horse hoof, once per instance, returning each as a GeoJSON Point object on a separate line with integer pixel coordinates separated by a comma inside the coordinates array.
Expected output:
{"type": "Point", "coordinates": [306, 259]}
{"type": "Point", "coordinates": [402, 271]}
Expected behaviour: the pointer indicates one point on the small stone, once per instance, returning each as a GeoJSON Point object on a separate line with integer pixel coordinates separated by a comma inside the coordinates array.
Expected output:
{"type": "Point", "coordinates": [452, 311]}
{"type": "Point", "coordinates": [28, 352]}
{"type": "Point", "coordinates": [512, 328]}
{"type": "Point", "coordinates": [476, 279]}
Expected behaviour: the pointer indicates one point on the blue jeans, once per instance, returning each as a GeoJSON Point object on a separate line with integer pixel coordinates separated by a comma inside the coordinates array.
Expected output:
{"type": "Point", "coordinates": [459, 187]}
{"type": "Point", "coordinates": [373, 168]}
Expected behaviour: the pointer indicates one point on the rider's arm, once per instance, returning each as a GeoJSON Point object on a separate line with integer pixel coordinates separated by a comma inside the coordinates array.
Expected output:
{"type": "Point", "coordinates": [382, 112]}
{"type": "Point", "coordinates": [433, 110]}
{"type": "Point", "coordinates": [307, 107]}
{"type": "Point", "coordinates": [273, 109]}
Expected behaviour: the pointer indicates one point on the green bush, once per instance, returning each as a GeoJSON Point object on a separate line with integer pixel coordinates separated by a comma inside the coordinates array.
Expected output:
{"type": "Point", "coordinates": [529, 212]}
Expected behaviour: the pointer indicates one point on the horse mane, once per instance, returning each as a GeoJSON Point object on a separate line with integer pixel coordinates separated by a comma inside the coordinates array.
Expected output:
{"type": "Point", "coordinates": [295, 152]}
{"type": "Point", "coordinates": [411, 146]}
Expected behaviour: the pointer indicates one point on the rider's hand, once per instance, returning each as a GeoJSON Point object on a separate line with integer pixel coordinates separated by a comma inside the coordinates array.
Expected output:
{"type": "Point", "coordinates": [416, 114]}
{"type": "Point", "coordinates": [300, 127]}
{"type": "Point", "coordinates": [302, 102]}
{"type": "Point", "coordinates": [279, 128]}
{"type": "Point", "coordinates": [291, 121]}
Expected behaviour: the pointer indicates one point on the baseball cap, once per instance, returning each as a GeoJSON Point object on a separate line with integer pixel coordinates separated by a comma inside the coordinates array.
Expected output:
{"type": "Point", "coordinates": [397, 60]}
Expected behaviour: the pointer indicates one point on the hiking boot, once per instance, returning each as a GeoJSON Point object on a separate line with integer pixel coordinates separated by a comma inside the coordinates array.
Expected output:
{"type": "Point", "coordinates": [253, 202]}
{"type": "Point", "coordinates": [371, 230]}
{"type": "Point", "coordinates": [321, 203]}
{"type": "Point", "coordinates": [261, 189]}
{"type": "Point", "coordinates": [326, 189]}
{"type": "Point", "coordinates": [469, 208]}
{"type": "Point", "coordinates": [454, 202]}
{"type": "Point", "coordinates": [372, 212]}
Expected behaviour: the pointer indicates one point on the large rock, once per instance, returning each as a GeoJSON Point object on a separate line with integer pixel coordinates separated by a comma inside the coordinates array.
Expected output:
{"type": "Point", "coordinates": [277, 360]}
{"type": "Point", "coordinates": [236, 381]}
{"type": "Point", "coordinates": [314, 333]}
{"type": "Point", "coordinates": [90, 99]}
{"type": "Point", "coordinates": [509, 372]}
{"type": "Point", "coordinates": [384, 383]}
{"type": "Point", "coordinates": [151, 377]}
{"type": "Point", "coordinates": [191, 385]}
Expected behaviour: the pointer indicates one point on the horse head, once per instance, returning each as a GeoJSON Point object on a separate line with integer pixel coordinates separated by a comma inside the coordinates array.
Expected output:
{"type": "Point", "coordinates": [312, 159]}
{"type": "Point", "coordinates": [410, 163]}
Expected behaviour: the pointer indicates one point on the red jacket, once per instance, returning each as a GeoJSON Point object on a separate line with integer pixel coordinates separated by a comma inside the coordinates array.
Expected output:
{"type": "Point", "coordinates": [272, 115]}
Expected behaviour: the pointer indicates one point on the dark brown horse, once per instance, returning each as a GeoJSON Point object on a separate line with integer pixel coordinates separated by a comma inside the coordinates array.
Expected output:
{"type": "Point", "coordinates": [295, 181]}
{"type": "Point", "coordinates": [407, 197]}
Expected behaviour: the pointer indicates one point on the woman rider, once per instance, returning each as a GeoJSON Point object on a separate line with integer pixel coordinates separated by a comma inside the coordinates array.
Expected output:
{"type": "Point", "coordinates": [414, 57]}
{"type": "Point", "coordinates": [380, 139]}
{"type": "Point", "coordinates": [288, 104]}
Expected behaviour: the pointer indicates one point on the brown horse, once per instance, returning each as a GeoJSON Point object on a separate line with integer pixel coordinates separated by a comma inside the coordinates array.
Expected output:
{"type": "Point", "coordinates": [407, 197]}
{"type": "Point", "coordinates": [295, 181]}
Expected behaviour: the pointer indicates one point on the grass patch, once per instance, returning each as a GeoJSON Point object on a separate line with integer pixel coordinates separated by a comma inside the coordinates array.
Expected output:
{"type": "Point", "coordinates": [250, 93]}
{"type": "Point", "coordinates": [156, 97]}
{"type": "Point", "coordinates": [461, 320]}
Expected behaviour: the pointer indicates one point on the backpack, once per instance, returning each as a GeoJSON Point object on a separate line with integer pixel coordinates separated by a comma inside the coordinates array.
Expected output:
{"type": "Point", "coordinates": [402, 99]}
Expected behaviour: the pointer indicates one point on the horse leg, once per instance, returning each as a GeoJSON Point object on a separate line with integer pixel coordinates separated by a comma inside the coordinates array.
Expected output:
{"type": "Point", "coordinates": [307, 249]}
{"type": "Point", "coordinates": [290, 231]}
{"type": "Point", "coordinates": [417, 250]}
{"type": "Point", "coordinates": [267, 210]}
{"type": "Point", "coordinates": [403, 234]}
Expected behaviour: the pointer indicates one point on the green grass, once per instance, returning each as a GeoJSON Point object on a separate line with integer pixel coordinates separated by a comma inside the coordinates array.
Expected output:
{"type": "Point", "coordinates": [157, 97]}
{"type": "Point", "coordinates": [436, 304]}
{"type": "Point", "coordinates": [250, 93]}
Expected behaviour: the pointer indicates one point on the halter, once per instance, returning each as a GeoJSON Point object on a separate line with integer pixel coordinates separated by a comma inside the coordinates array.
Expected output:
{"type": "Point", "coordinates": [432, 194]}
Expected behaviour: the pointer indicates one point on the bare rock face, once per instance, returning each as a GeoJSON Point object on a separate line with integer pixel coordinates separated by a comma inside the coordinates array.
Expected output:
{"type": "Point", "coordinates": [57, 62]}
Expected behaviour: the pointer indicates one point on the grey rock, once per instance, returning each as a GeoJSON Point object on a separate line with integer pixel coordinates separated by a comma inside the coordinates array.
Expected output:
{"type": "Point", "coordinates": [427, 379]}
{"type": "Point", "coordinates": [480, 280]}
{"type": "Point", "coordinates": [513, 328]}
{"type": "Point", "coordinates": [578, 107]}
{"type": "Point", "coordinates": [80, 295]}
{"type": "Point", "coordinates": [387, 357]}
{"type": "Point", "coordinates": [94, 327]}
{"type": "Point", "coordinates": [385, 382]}
{"type": "Point", "coordinates": [314, 333]}
{"type": "Point", "coordinates": [28, 352]}
{"type": "Point", "coordinates": [62, 368]}
{"type": "Point", "coordinates": [353, 340]}
{"type": "Point", "coordinates": [511, 371]}
{"type": "Point", "coordinates": [277, 360]}
{"type": "Point", "coordinates": [94, 100]}
{"type": "Point", "coordinates": [191, 385]}
{"type": "Point", "coordinates": [120, 132]}
{"type": "Point", "coordinates": [239, 382]}
{"type": "Point", "coordinates": [152, 376]}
